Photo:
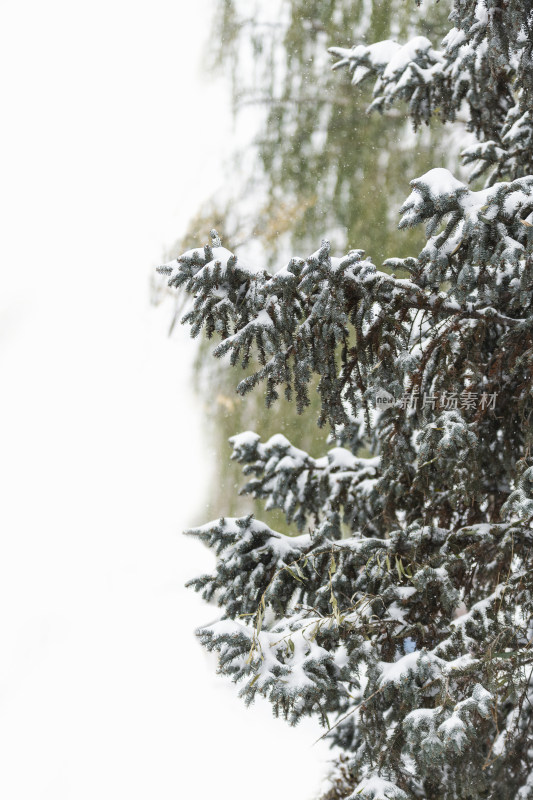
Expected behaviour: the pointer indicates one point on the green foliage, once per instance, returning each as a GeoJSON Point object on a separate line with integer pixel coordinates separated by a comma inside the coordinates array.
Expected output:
{"type": "Point", "coordinates": [320, 163]}
{"type": "Point", "coordinates": [410, 638]}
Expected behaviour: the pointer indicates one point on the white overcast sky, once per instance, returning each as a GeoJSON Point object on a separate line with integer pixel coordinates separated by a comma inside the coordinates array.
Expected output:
{"type": "Point", "coordinates": [109, 139]}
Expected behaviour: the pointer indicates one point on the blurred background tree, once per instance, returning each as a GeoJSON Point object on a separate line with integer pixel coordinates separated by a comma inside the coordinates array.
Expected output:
{"type": "Point", "coordinates": [310, 164]}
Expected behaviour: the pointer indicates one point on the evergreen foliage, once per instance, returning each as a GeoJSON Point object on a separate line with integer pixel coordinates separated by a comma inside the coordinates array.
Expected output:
{"type": "Point", "coordinates": [401, 615]}
{"type": "Point", "coordinates": [317, 162]}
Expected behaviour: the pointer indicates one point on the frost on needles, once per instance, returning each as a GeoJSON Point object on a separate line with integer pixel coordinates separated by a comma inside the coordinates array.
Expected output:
{"type": "Point", "coordinates": [400, 614]}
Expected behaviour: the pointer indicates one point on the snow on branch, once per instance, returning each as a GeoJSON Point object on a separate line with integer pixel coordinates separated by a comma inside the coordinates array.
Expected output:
{"type": "Point", "coordinates": [305, 488]}
{"type": "Point", "coordinates": [479, 62]}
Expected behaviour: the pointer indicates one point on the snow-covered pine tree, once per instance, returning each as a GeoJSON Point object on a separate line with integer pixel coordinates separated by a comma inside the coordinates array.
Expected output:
{"type": "Point", "coordinates": [402, 614]}
{"type": "Point", "coordinates": [283, 192]}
